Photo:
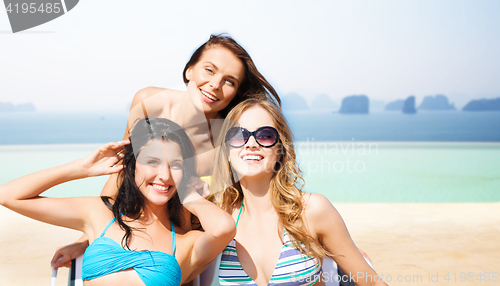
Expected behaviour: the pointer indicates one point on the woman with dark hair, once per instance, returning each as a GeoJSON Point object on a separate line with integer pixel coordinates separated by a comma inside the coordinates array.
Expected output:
{"type": "Point", "coordinates": [219, 75]}
{"type": "Point", "coordinates": [136, 238]}
{"type": "Point", "coordinates": [253, 82]}
{"type": "Point", "coordinates": [283, 233]}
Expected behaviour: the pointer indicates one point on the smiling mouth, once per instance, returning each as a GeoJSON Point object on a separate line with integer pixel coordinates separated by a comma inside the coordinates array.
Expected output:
{"type": "Point", "coordinates": [160, 188]}
{"type": "Point", "coordinates": [208, 95]}
{"type": "Point", "coordinates": [252, 158]}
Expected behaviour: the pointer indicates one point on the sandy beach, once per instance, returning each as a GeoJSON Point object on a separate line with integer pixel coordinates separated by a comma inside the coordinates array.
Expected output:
{"type": "Point", "coordinates": [410, 244]}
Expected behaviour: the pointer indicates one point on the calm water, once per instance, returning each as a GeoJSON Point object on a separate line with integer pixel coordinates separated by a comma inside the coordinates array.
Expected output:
{"type": "Point", "coordinates": [379, 157]}
{"type": "Point", "coordinates": [402, 172]}
{"type": "Point", "coordinates": [343, 172]}
{"type": "Point", "coordinates": [61, 128]}
{"type": "Point", "coordinates": [453, 126]}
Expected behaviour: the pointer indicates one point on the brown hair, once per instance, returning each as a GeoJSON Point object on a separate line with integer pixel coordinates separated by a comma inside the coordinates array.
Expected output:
{"type": "Point", "coordinates": [286, 184]}
{"type": "Point", "coordinates": [253, 82]}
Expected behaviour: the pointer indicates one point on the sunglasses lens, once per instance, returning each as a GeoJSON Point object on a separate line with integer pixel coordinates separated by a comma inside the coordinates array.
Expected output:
{"type": "Point", "coordinates": [266, 136]}
{"type": "Point", "coordinates": [236, 137]}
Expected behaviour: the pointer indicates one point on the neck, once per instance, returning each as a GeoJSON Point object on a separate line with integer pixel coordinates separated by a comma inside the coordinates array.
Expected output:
{"type": "Point", "coordinates": [153, 213]}
{"type": "Point", "coordinates": [186, 113]}
{"type": "Point", "coordinates": [190, 113]}
{"type": "Point", "coordinates": [257, 196]}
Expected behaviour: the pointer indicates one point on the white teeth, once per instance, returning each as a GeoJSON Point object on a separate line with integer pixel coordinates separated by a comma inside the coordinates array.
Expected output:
{"type": "Point", "coordinates": [252, 157]}
{"type": "Point", "coordinates": [209, 95]}
{"type": "Point", "coordinates": [161, 188]}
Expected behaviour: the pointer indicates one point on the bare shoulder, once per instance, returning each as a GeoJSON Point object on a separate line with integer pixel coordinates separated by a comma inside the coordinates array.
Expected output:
{"type": "Point", "coordinates": [315, 204]}
{"type": "Point", "coordinates": [148, 92]}
{"type": "Point", "coordinates": [319, 210]}
{"type": "Point", "coordinates": [153, 102]}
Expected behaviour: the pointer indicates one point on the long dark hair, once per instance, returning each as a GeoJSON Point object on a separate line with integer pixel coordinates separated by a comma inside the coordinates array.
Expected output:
{"type": "Point", "coordinates": [254, 83]}
{"type": "Point", "coordinates": [130, 201]}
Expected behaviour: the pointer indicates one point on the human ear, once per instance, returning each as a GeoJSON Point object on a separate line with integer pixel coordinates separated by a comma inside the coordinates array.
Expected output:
{"type": "Point", "coordinates": [189, 71]}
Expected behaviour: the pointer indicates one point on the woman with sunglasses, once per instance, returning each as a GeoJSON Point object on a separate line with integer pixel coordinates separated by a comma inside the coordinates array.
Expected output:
{"type": "Point", "coordinates": [282, 234]}
{"type": "Point", "coordinates": [219, 75]}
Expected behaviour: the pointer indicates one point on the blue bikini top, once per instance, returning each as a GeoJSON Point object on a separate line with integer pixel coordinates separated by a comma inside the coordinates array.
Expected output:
{"type": "Point", "coordinates": [105, 256]}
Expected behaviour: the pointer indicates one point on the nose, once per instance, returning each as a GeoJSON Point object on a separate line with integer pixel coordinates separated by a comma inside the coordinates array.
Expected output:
{"type": "Point", "coordinates": [251, 143]}
{"type": "Point", "coordinates": [215, 83]}
{"type": "Point", "coordinates": [164, 173]}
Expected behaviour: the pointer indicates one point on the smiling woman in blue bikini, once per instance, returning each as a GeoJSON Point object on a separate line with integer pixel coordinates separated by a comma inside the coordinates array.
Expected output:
{"type": "Point", "coordinates": [135, 238]}
{"type": "Point", "coordinates": [282, 232]}
{"type": "Point", "coordinates": [219, 75]}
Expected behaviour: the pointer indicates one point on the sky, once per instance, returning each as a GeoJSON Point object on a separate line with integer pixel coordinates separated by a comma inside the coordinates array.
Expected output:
{"type": "Point", "coordinates": [98, 55]}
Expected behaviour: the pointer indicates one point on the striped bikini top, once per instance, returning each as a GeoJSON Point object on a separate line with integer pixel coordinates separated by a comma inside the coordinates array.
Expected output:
{"type": "Point", "coordinates": [105, 256]}
{"type": "Point", "coordinates": [293, 268]}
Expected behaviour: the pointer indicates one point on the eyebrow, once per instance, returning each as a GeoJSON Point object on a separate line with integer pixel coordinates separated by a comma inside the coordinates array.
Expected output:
{"type": "Point", "coordinates": [152, 157]}
{"type": "Point", "coordinates": [209, 62]}
{"type": "Point", "coordinates": [158, 157]}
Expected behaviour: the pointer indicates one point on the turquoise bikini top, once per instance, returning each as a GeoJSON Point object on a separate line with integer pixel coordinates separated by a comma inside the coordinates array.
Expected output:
{"type": "Point", "coordinates": [105, 256]}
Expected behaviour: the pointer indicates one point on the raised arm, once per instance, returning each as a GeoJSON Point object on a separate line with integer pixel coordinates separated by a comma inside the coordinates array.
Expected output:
{"type": "Point", "coordinates": [324, 220]}
{"type": "Point", "coordinates": [219, 230]}
{"type": "Point", "coordinates": [23, 195]}
{"type": "Point", "coordinates": [64, 255]}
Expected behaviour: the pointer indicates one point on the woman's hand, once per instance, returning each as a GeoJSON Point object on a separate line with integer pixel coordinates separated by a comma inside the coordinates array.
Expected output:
{"type": "Point", "coordinates": [194, 190]}
{"type": "Point", "coordinates": [104, 159]}
{"type": "Point", "coordinates": [23, 195]}
{"type": "Point", "coordinates": [64, 255]}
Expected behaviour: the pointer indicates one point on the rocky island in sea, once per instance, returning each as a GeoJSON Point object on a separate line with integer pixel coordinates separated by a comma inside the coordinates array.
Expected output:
{"type": "Point", "coordinates": [293, 102]}
{"type": "Point", "coordinates": [438, 102]}
{"type": "Point", "coordinates": [358, 104]}
{"type": "Point", "coordinates": [23, 107]}
{"type": "Point", "coordinates": [483, 105]}
{"type": "Point", "coordinates": [406, 106]}
{"type": "Point", "coordinates": [409, 105]}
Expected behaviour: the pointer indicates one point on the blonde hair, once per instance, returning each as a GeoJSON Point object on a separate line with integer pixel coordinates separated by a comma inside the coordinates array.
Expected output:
{"type": "Point", "coordinates": [286, 183]}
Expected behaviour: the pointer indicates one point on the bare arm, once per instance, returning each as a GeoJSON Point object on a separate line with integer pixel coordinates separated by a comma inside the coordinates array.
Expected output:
{"type": "Point", "coordinates": [219, 229]}
{"type": "Point", "coordinates": [23, 195]}
{"type": "Point", "coordinates": [65, 254]}
{"type": "Point", "coordinates": [326, 222]}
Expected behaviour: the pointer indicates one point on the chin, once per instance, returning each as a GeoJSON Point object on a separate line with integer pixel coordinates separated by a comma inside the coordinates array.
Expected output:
{"type": "Point", "coordinates": [256, 175]}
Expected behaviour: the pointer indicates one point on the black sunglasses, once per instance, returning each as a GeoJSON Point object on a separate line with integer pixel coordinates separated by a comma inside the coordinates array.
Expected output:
{"type": "Point", "coordinates": [265, 136]}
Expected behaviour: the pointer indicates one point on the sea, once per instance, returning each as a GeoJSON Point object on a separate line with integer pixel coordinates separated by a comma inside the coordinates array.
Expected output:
{"type": "Point", "coordinates": [388, 157]}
